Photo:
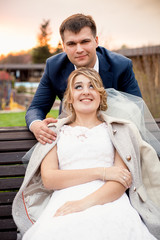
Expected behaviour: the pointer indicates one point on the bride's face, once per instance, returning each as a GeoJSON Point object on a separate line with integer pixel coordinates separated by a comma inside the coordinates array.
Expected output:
{"type": "Point", "coordinates": [85, 99]}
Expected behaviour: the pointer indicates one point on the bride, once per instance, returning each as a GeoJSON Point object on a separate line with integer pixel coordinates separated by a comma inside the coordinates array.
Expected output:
{"type": "Point", "coordinates": [99, 180]}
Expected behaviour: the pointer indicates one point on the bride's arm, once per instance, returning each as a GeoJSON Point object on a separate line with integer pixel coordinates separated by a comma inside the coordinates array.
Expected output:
{"type": "Point", "coordinates": [54, 178]}
{"type": "Point", "coordinates": [109, 192]}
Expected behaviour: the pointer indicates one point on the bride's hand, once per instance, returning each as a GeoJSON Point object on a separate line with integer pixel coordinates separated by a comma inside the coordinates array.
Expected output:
{"type": "Point", "coordinates": [118, 174]}
{"type": "Point", "coordinates": [71, 207]}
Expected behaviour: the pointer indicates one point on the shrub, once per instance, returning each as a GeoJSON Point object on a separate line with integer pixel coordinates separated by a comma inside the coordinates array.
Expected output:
{"type": "Point", "coordinates": [21, 89]}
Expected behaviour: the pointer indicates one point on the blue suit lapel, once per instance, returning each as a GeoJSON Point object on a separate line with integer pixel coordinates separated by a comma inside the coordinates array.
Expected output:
{"type": "Point", "coordinates": [65, 72]}
{"type": "Point", "coordinates": [67, 69]}
{"type": "Point", "coordinates": [104, 71]}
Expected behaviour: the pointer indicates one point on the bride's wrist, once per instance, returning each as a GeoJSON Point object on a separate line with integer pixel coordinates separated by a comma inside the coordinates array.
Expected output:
{"type": "Point", "coordinates": [102, 173]}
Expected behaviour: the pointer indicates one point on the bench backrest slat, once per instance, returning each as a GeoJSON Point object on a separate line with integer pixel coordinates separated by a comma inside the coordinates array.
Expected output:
{"type": "Point", "coordinates": [10, 183]}
{"type": "Point", "coordinates": [16, 145]}
{"type": "Point", "coordinates": [16, 135]}
{"type": "Point", "coordinates": [7, 197]}
{"type": "Point", "coordinates": [8, 235]}
{"type": "Point", "coordinates": [5, 210]}
{"type": "Point", "coordinates": [12, 171]}
{"type": "Point", "coordinates": [11, 157]}
{"type": "Point", "coordinates": [4, 223]}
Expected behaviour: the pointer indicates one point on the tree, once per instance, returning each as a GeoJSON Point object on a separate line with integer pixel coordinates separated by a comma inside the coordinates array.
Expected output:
{"type": "Point", "coordinates": [58, 49]}
{"type": "Point", "coordinates": [40, 54]}
{"type": "Point", "coordinates": [42, 51]}
{"type": "Point", "coordinates": [45, 33]}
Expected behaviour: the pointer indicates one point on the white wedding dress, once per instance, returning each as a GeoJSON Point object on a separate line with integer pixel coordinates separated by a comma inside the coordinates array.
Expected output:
{"type": "Point", "coordinates": [80, 147]}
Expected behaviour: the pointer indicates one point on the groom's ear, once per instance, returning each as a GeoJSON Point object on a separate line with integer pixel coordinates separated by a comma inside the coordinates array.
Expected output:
{"type": "Point", "coordinates": [97, 41]}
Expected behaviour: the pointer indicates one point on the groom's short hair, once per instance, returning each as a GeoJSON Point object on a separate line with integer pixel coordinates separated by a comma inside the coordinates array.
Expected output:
{"type": "Point", "coordinates": [76, 22]}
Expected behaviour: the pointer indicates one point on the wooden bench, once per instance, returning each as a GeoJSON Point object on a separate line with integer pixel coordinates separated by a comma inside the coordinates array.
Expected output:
{"type": "Point", "coordinates": [14, 143]}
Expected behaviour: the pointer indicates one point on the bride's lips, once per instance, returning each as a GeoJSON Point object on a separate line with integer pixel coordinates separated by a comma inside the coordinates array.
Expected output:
{"type": "Point", "coordinates": [86, 100]}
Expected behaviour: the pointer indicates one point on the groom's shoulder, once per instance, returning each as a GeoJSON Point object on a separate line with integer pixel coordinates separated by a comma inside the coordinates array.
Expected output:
{"type": "Point", "coordinates": [112, 56]}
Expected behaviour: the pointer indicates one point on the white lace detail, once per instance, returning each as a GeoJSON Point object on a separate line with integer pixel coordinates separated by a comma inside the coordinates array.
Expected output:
{"type": "Point", "coordinates": [82, 133]}
{"type": "Point", "coordinates": [87, 146]}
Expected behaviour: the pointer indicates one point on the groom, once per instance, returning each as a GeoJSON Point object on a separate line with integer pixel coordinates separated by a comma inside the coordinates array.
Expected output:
{"type": "Point", "coordinates": [80, 42]}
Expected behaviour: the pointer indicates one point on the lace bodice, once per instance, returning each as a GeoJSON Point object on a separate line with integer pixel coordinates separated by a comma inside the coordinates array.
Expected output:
{"type": "Point", "coordinates": [81, 147]}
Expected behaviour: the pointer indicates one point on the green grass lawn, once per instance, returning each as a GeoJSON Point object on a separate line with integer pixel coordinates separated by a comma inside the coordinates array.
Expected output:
{"type": "Point", "coordinates": [18, 118]}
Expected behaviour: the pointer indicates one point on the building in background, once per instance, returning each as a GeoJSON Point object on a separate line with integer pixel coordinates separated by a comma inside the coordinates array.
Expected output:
{"type": "Point", "coordinates": [5, 88]}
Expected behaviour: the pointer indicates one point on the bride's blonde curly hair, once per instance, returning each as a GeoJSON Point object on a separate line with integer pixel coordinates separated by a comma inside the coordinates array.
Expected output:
{"type": "Point", "coordinates": [97, 83]}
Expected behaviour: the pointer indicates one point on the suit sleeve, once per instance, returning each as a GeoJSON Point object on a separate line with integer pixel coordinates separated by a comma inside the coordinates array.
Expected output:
{"type": "Point", "coordinates": [43, 99]}
{"type": "Point", "coordinates": [128, 81]}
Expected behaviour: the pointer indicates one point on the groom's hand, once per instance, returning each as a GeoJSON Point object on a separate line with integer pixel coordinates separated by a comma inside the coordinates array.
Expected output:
{"type": "Point", "coordinates": [41, 131]}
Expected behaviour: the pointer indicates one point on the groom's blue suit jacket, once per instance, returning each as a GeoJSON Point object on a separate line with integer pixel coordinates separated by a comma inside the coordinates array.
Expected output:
{"type": "Point", "coordinates": [114, 69]}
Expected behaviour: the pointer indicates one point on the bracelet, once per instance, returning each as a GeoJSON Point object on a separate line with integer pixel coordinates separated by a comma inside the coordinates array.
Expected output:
{"type": "Point", "coordinates": [104, 171]}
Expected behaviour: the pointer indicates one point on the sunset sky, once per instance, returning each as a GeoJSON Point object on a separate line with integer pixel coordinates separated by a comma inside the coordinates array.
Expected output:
{"type": "Point", "coordinates": [134, 23]}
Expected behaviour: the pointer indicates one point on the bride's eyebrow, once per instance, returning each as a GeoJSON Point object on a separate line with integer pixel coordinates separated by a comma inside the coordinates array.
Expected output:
{"type": "Point", "coordinates": [81, 83]}
{"type": "Point", "coordinates": [77, 83]}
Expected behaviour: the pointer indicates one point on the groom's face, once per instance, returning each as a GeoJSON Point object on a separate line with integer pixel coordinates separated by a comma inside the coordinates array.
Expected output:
{"type": "Point", "coordinates": [81, 47]}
